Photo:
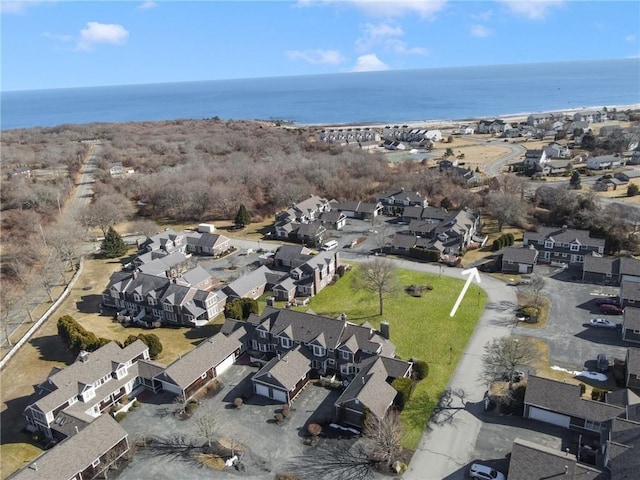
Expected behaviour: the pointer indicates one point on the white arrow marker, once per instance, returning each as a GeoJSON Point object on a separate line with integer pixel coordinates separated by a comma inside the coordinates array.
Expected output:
{"type": "Point", "coordinates": [473, 274]}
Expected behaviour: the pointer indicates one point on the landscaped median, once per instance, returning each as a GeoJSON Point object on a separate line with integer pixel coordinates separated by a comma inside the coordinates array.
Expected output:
{"type": "Point", "coordinates": [420, 327]}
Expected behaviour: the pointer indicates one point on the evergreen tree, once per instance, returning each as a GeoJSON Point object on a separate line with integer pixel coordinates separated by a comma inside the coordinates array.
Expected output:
{"type": "Point", "coordinates": [242, 217]}
{"type": "Point", "coordinates": [113, 246]}
{"type": "Point", "coordinates": [575, 180]}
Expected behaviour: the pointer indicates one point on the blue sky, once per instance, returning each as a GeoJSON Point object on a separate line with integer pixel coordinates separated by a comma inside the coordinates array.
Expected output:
{"type": "Point", "coordinates": [60, 44]}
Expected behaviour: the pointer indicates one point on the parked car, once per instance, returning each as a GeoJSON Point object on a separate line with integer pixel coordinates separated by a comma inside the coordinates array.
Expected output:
{"type": "Point", "coordinates": [609, 309]}
{"type": "Point", "coordinates": [608, 301]}
{"type": "Point", "coordinates": [602, 362]}
{"type": "Point", "coordinates": [600, 377]}
{"type": "Point", "coordinates": [485, 473]}
{"type": "Point", "coordinates": [602, 323]}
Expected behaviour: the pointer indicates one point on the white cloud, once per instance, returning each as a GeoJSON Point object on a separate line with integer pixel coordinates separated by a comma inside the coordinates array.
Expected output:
{"type": "Point", "coordinates": [148, 4]}
{"type": "Point", "coordinates": [317, 56]}
{"type": "Point", "coordinates": [385, 8]}
{"type": "Point", "coordinates": [532, 9]}
{"type": "Point", "coordinates": [16, 6]}
{"type": "Point", "coordinates": [386, 35]}
{"type": "Point", "coordinates": [369, 63]}
{"type": "Point", "coordinates": [480, 31]}
{"type": "Point", "coordinates": [57, 37]}
{"type": "Point", "coordinates": [630, 38]}
{"type": "Point", "coordinates": [483, 16]}
{"type": "Point", "coordinates": [95, 33]}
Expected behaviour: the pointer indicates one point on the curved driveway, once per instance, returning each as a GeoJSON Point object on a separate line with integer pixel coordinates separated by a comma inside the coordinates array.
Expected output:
{"type": "Point", "coordinates": [515, 151]}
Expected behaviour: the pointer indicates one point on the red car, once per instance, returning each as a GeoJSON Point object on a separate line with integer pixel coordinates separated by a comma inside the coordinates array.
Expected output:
{"type": "Point", "coordinates": [609, 309]}
{"type": "Point", "coordinates": [608, 301]}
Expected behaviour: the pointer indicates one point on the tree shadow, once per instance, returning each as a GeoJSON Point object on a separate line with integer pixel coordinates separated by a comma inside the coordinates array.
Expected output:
{"type": "Point", "coordinates": [13, 423]}
{"type": "Point", "coordinates": [53, 349]}
{"type": "Point", "coordinates": [89, 303]}
{"type": "Point", "coordinates": [203, 332]}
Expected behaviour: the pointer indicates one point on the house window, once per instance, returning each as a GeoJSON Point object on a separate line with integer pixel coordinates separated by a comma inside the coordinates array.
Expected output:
{"type": "Point", "coordinates": [346, 355]}
{"type": "Point", "coordinates": [548, 244]}
{"type": "Point", "coordinates": [263, 348]}
{"type": "Point", "coordinates": [590, 425]}
{"type": "Point", "coordinates": [167, 306]}
{"type": "Point", "coordinates": [157, 313]}
{"type": "Point", "coordinates": [331, 361]}
{"type": "Point", "coordinates": [204, 375]}
{"type": "Point", "coordinates": [263, 334]}
{"type": "Point", "coordinates": [95, 463]}
{"type": "Point", "coordinates": [151, 301]}
{"type": "Point", "coordinates": [319, 351]}
{"type": "Point", "coordinates": [580, 258]}
{"type": "Point", "coordinates": [137, 297]}
{"type": "Point", "coordinates": [285, 342]}
{"type": "Point", "coordinates": [575, 247]}
{"type": "Point", "coordinates": [564, 255]}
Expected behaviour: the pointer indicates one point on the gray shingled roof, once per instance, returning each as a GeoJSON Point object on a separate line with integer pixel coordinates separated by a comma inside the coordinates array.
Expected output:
{"type": "Point", "coordinates": [632, 318]}
{"type": "Point", "coordinates": [564, 398]}
{"type": "Point", "coordinates": [76, 453]}
{"type": "Point", "coordinates": [630, 290]}
{"type": "Point", "coordinates": [520, 255]}
{"type": "Point", "coordinates": [564, 235]}
{"type": "Point", "coordinates": [622, 449]}
{"type": "Point", "coordinates": [630, 266]}
{"type": "Point", "coordinates": [292, 252]}
{"type": "Point", "coordinates": [602, 265]}
{"type": "Point", "coordinates": [285, 371]}
{"type": "Point", "coordinates": [531, 461]}
{"type": "Point", "coordinates": [209, 353]}
{"type": "Point", "coordinates": [369, 387]}
{"type": "Point", "coordinates": [97, 365]}
{"type": "Point", "coordinates": [633, 361]}
{"type": "Point", "coordinates": [246, 283]}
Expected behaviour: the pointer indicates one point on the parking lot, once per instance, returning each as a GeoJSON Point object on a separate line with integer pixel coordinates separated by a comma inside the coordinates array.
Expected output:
{"type": "Point", "coordinates": [269, 446]}
{"type": "Point", "coordinates": [573, 343]}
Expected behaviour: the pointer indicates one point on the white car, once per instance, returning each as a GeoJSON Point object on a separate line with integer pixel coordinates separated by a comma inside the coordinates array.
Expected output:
{"type": "Point", "coordinates": [602, 323]}
{"type": "Point", "coordinates": [600, 377]}
{"type": "Point", "coordinates": [485, 473]}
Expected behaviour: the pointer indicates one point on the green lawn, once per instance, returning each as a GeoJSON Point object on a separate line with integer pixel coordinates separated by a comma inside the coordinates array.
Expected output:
{"type": "Point", "coordinates": [421, 328]}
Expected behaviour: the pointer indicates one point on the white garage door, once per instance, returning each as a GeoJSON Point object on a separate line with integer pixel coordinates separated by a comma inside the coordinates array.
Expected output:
{"type": "Point", "coordinates": [549, 417]}
{"type": "Point", "coordinates": [262, 390]}
{"type": "Point", "coordinates": [225, 364]}
{"type": "Point", "coordinates": [279, 396]}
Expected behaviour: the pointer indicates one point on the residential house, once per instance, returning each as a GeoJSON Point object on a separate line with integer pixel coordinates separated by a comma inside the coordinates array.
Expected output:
{"type": "Point", "coordinates": [394, 145]}
{"type": "Point", "coordinates": [84, 455]}
{"type": "Point", "coordinates": [535, 160]}
{"type": "Point", "coordinates": [359, 210]}
{"type": "Point", "coordinates": [557, 151]}
{"type": "Point", "coordinates": [630, 291]}
{"type": "Point", "coordinates": [493, 126]}
{"type": "Point", "coordinates": [163, 264]}
{"type": "Point", "coordinates": [610, 270]}
{"type": "Point", "coordinates": [635, 157]}
{"type": "Point", "coordinates": [561, 404]}
{"type": "Point", "coordinates": [590, 116]}
{"type": "Point", "coordinates": [81, 392]}
{"type": "Point", "coordinates": [116, 169]}
{"type": "Point", "coordinates": [532, 461]}
{"type": "Point", "coordinates": [290, 223]}
{"type": "Point", "coordinates": [322, 344]}
{"type": "Point", "coordinates": [606, 184]}
{"type": "Point", "coordinates": [370, 390]}
{"type": "Point", "coordinates": [291, 256]}
{"type": "Point", "coordinates": [631, 325]}
{"type": "Point", "coordinates": [563, 245]}
{"type": "Point", "coordinates": [603, 162]}
{"type": "Point", "coordinates": [519, 259]}
{"type": "Point", "coordinates": [309, 278]}
{"type": "Point", "coordinates": [254, 284]}
{"type": "Point", "coordinates": [465, 130]}
{"type": "Point", "coordinates": [170, 241]}
{"type": "Point", "coordinates": [633, 368]}
{"type": "Point", "coordinates": [621, 450]}
{"type": "Point", "coordinates": [19, 172]}
{"type": "Point", "coordinates": [455, 231]}
{"type": "Point", "coordinates": [556, 167]}
{"type": "Point", "coordinates": [394, 201]}
{"type": "Point", "coordinates": [433, 135]}
{"type": "Point", "coordinates": [284, 376]}
{"type": "Point", "coordinates": [312, 234]}
{"type": "Point", "coordinates": [470, 177]}
{"type": "Point", "coordinates": [536, 119]}
{"type": "Point", "coordinates": [207, 361]}
{"type": "Point", "coordinates": [628, 175]}
{"type": "Point", "coordinates": [148, 299]}
{"type": "Point", "coordinates": [333, 220]}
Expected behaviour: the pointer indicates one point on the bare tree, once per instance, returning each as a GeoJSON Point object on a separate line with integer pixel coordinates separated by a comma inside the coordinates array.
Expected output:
{"type": "Point", "coordinates": [503, 355]}
{"type": "Point", "coordinates": [66, 240]}
{"type": "Point", "coordinates": [206, 426]}
{"type": "Point", "coordinates": [335, 461]}
{"type": "Point", "coordinates": [378, 276]}
{"type": "Point", "coordinates": [105, 212]}
{"type": "Point", "coordinates": [535, 286]}
{"type": "Point", "coordinates": [12, 297]}
{"type": "Point", "coordinates": [508, 209]}
{"type": "Point", "coordinates": [386, 436]}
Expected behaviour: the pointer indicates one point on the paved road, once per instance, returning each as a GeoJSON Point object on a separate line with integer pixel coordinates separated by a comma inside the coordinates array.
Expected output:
{"type": "Point", "coordinates": [80, 199]}
{"type": "Point", "coordinates": [515, 152]}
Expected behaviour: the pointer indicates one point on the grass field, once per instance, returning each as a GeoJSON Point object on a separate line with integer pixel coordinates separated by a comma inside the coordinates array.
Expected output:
{"type": "Point", "coordinates": [421, 328]}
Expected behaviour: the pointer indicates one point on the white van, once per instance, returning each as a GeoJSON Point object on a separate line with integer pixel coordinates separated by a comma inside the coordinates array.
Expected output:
{"type": "Point", "coordinates": [329, 245]}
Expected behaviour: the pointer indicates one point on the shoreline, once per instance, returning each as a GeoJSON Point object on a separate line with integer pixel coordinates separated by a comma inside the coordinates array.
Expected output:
{"type": "Point", "coordinates": [452, 123]}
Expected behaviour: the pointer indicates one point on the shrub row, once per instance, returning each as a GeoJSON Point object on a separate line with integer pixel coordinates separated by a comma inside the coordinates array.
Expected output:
{"type": "Point", "coordinates": [240, 308]}
{"type": "Point", "coordinates": [505, 240]}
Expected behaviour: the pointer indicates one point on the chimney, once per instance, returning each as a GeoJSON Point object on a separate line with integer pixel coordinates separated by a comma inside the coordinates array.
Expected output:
{"type": "Point", "coordinates": [384, 329]}
{"type": "Point", "coordinates": [77, 431]}
{"type": "Point", "coordinates": [83, 356]}
{"type": "Point", "coordinates": [34, 466]}
{"type": "Point", "coordinates": [564, 228]}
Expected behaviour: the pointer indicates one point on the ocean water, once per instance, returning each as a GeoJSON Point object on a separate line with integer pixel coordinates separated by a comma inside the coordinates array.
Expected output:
{"type": "Point", "coordinates": [373, 97]}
